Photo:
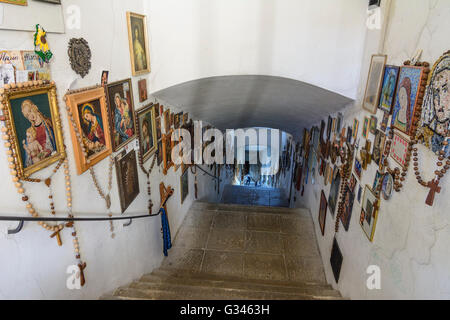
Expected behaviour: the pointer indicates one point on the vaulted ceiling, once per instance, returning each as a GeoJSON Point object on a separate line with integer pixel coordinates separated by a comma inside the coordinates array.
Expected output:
{"type": "Point", "coordinates": [241, 101]}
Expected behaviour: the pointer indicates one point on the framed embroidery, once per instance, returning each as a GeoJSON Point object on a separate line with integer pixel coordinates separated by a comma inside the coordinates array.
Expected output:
{"type": "Point", "coordinates": [388, 89]}
{"type": "Point", "coordinates": [399, 148]}
{"type": "Point", "coordinates": [121, 113]}
{"type": "Point", "coordinates": [374, 81]}
{"type": "Point", "coordinates": [34, 134]}
{"type": "Point", "coordinates": [406, 98]}
{"type": "Point", "coordinates": [90, 120]}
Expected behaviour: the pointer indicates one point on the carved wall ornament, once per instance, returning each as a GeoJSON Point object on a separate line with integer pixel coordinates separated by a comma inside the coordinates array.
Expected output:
{"type": "Point", "coordinates": [80, 56]}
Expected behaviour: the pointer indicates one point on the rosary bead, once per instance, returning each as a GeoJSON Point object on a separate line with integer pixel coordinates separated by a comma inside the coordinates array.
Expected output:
{"type": "Point", "coordinates": [24, 198]}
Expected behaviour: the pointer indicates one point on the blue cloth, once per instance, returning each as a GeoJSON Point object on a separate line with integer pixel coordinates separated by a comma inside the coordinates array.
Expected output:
{"type": "Point", "coordinates": [167, 241]}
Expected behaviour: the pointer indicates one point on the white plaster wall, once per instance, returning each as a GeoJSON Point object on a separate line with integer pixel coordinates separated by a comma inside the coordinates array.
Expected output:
{"type": "Point", "coordinates": [411, 238]}
{"type": "Point", "coordinates": [32, 265]}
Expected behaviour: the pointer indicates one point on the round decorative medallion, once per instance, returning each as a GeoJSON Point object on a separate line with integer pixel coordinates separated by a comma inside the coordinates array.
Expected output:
{"type": "Point", "coordinates": [80, 56]}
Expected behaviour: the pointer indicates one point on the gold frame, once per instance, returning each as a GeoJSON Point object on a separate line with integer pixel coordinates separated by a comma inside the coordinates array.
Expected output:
{"type": "Point", "coordinates": [73, 99]}
{"type": "Point", "coordinates": [26, 89]}
{"type": "Point", "coordinates": [110, 113]}
{"type": "Point", "coordinates": [376, 207]}
{"type": "Point", "coordinates": [374, 108]}
{"type": "Point", "coordinates": [166, 164]}
{"type": "Point", "coordinates": [150, 107]}
{"type": "Point", "coordinates": [130, 43]}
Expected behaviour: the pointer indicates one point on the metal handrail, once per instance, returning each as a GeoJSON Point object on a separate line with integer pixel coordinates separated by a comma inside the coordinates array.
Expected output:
{"type": "Point", "coordinates": [209, 174]}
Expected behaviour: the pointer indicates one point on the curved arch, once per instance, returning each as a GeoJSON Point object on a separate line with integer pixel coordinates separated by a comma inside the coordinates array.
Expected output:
{"type": "Point", "coordinates": [230, 102]}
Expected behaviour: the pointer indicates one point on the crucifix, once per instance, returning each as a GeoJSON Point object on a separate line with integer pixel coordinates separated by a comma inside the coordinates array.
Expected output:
{"type": "Point", "coordinates": [165, 194]}
{"type": "Point", "coordinates": [434, 188]}
{"type": "Point", "coordinates": [58, 237]}
{"type": "Point", "coordinates": [82, 266]}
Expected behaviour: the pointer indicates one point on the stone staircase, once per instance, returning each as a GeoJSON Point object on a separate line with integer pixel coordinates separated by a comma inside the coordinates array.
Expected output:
{"type": "Point", "coordinates": [236, 252]}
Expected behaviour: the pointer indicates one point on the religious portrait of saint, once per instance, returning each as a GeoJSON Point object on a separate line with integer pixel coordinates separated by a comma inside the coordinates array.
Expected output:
{"type": "Point", "coordinates": [127, 178]}
{"type": "Point", "coordinates": [104, 79]}
{"type": "Point", "coordinates": [121, 113]}
{"type": "Point", "coordinates": [137, 37]}
{"type": "Point", "coordinates": [93, 134]}
{"type": "Point", "coordinates": [434, 128]}
{"type": "Point", "coordinates": [147, 131]}
{"type": "Point", "coordinates": [388, 89]}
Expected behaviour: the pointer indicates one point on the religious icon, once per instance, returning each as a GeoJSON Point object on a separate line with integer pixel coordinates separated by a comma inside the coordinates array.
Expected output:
{"type": "Point", "coordinates": [373, 124]}
{"type": "Point", "coordinates": [358, 168]}
{"type": "Point", "coordinates": [159, 154]}
{"type": "Point", "coordinates": [355, 129]}
{"type": "Point", "coordinates": [142, 86]}
{"type": "Point", "coordinates": [185, 118]}
{"type": "Point", "coordinates": [90, 116]}
{"type": "Point", "coordinates": [104, 79]}
{"type": "Point", "coordinates": [365, 132]}
{"type": "Point", "coordinates": [377, 183]}
{"type": "Point", "coordinates": [388, 89]}
{"type": "Point", "coordinates": [349, 198]}
{"type": "Point", "coordinates": [147, 131]}
{"type": "Point", "coordinates": [36, 133]}
{"type": "Point", "coordinates": [378, 146]}
{"type": "Point", "coordinates": [121, 112]}
{"type": "Point", "coordinates": [334, 191]}
{"type": "Point", "coordinates": [387, 186]}
{"type": "Point", "coordinates": [405, 103]}
{"type": "Point", "coordinates": [167, 121]}
{"type": "Point", "coordinates": [177, 120]}
{"type": "Point", "coordinates": [137, 38]}
{"type": "Point", "coordinates": [352, 183]}
{"type": "Point", "coordinates": [434, 127]}
{"type": "Point", "coordinates": [184, 185]}
{"type": "Point", "coordinates": [329, 127]}
{"type": "Point", "coordinates": [384, 122]}
{"type": "Point", "coordinates": [322, 212]}
{"type": "Point", "coordinates": [167, 152]}
{"type": "Point", "coordinates": [374, 80]}
{"type": "Point", "coordinates": [127, 178]}
{"type": "Point", "coordinates": [369, 213]}
{"type": "Point", "coordinates": [158, 128]}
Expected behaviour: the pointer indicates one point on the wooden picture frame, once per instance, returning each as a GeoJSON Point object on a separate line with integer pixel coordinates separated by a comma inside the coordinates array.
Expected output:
{"type": "Point", "coordinates": [167, 152]}
{"type": "Point", "coordinates": [374, 82]}
{"type": "Point", "coordinates": [95, 148]}
{"type": "Point", "coordinates": [389, 87]}
{"type": "Point", "coordinates": [146, 124]}
{"type": "Point", "coordinates": [121, 113]}
{"type": "Point", "coordinates": [322, 212]}
{"type": "Point", "coordinates": [138, 38]}
{"type": "Point", "coordinates": [142, 89]}
{"type": "Point", "coordinates": [406, 103]}
{"type": "Point", "coordinates": [127, 178]}
{"type": "Point", "coordinates": [369, 213]}
{"type": "Point", "coordinates": [23, 106]}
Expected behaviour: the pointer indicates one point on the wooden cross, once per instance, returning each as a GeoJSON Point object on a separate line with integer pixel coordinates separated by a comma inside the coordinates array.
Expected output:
{"type": "Point", "coordinates": [58, 237]}
{"type": "Point", "coordinates": [164, 193]}
{"type": "Point", "coordinates": [434, 187]}
{"type": "Point", "coordinates": [82, 266]}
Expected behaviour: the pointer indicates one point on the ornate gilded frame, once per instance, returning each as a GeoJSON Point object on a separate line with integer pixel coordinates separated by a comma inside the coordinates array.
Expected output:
{"type": "Point", "coordinates": [141, 112]}
{"type": "Point", "coordinates": [130, 42]}
{"type": "Point", "coordinates": [26, 89]}
{"type": "Point", "coordinates": [73, 99]}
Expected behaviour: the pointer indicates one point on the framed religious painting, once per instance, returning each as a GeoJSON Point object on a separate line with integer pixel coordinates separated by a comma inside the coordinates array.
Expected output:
{"type": "Point", "coordinates": [373, 124]}
{"type": "Point", "coordinates": [384, 122]}
{"type": "Point", "coordinates": [378, 146]}
{"type": "Point", "coordinates": [322, 212]}
{"type": "Point", "coordinates": [184, 185]}
{"type": "Point", "coordinates": [121, 113]}
{"type": "Point", "coordinates": [369, 213]}
{"type": "Point", "coordinates": [358, 168]}
{"type": "Point", "coordinates": [366, 128]}
{"type": "Point", "coordinates": [147, 131]}
{"type": "Point", "coordinates": [89, 127]}
{"type": "Point", "coordinates": [138, 43]}
{"type": "Point", "coordinates": [104, 78]}
{"type": "Point", "coordinates": [377, 183]}
{"type": "Point", "coordinates": [329, 127]}
{"type": "Point", "coordinates": [159, 153]}
{"type": "Point", "coordinates": [185, 118]}
{"type": "Point", "coordinates": [178, 120]}
{"type": "Point", "coordinates": [434, 126]}
{"type": "Point", "coordinates": [387, 186]}
{"type": "Point", "coordinates": [127, 178]}
{"type": "Point", "coordinates": [166, 122]}
{"type": "Point", "coordinates": [334, 191]}
{"type": "Point", "coordinates": [388, 89]}
{"type": "Point", "coordinates": [355, 129]}
{"type": "Point", "coordinates": [142, 87]}
{"type": "Point", "coordinates": [157, 110]}
{"type": "Point", "coordinates": [158, 127]}
{"type": "Point", "coordinates": [339, 124]}
{"type": "Point", "coordinates": [399, 148]}
{"type": "Point", "coordinates": [349, 198]}
{"type": "Point", "coordinates": [167, 152]}
{"type": "Point", "coordinates": [374, 82]}
{"type": "Point", "coordinates": [359, 193]}
{"type": "Point", "coordinates": [352, 183]}
{"type": "Point", "coordinates": [406, 98]}
{"type": "Point", "coordinates": [32, 130]}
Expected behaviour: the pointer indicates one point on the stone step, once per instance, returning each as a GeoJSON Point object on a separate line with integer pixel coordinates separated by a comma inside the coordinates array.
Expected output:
{"type": "Point", "coordinates": [138, 290]}
{"type": "Point", "coordinates": [235, 284]}
{"type": "Point", "coordinates": [189, 274]}
{"type": "Point", "coordinates": [198, 205]}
